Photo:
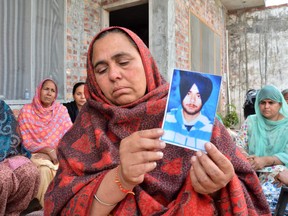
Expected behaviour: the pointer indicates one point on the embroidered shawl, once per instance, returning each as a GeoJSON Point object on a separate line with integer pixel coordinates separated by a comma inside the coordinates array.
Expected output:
{"type": "Point", "coordinates": [43, 127]}
{"type": "Point", "coordinates": [10, 141]}
{"type": "Point", "coordinates": [91, 148]}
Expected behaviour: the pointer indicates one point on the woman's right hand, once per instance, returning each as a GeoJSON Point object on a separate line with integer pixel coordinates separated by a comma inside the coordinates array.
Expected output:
{"type": "Point", "coordinates": [138, 155]}
{"type": "Point", "coordinates": [282, 178]}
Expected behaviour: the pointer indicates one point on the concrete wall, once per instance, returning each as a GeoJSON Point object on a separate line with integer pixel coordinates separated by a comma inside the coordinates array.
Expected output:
{"type": "Point", "coordinates": [162, 34]}
{"type": "Point", "coordinates": [258, 51]}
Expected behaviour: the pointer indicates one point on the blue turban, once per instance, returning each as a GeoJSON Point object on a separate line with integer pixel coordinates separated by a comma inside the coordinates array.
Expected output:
{"type": "Point", "coordinates": [203, 83]}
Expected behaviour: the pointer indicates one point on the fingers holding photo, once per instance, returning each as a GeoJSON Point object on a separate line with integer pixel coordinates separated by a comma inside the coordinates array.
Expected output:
{"type": "Point", "coordinates": [210, 171]}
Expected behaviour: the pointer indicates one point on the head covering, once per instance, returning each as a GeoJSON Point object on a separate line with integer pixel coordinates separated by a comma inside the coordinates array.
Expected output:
{"type": "Point", "coordinates": [285, 91]}
{"type": "Point", "coordinates": [203, 83]}
{"type": "Point", "coordinates": [266, 137]}
{"type": "Point", "coordinates": [249, 103]}
{"type": "Point", "coordinates": [10, 141]}
{"type": "Point", "coordinates": [40, 126]}
{"type": "Point", "coordinates": [91, 148]}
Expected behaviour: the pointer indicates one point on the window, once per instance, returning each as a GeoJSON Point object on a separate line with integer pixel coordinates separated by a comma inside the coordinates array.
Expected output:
{"type": "Point", "coordinates": [205, 47]}
{"type": "Point", "coordinates": [31, 46]}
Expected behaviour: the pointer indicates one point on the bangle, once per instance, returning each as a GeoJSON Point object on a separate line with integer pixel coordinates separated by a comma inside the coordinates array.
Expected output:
{"type": "Point", "coordinates": [104, 203]}
{"type": "Point", "coordinates": [118, 182]}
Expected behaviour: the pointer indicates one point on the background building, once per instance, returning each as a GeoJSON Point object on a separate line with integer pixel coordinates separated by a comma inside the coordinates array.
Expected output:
{"type": "Point", "coordinates": [242, 41]}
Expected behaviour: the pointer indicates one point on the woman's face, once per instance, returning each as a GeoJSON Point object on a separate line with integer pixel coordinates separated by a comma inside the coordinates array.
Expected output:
{"type": "Point", "coordinates": [118, 69]}
{"type": "Point", "coordinates": [270, 109]}
{"type": "Point", "coordinates": [79, 96]}
{"type": "Point", "coordinates": [48, 93]}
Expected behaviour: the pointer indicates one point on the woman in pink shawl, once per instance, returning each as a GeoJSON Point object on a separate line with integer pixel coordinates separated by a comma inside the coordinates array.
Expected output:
{"type": "Point", "coordinates": [42, 125]}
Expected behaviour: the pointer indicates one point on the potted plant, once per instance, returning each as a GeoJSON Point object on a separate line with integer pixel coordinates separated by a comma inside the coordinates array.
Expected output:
{"type": "Point", "coordinates": [230, 120]}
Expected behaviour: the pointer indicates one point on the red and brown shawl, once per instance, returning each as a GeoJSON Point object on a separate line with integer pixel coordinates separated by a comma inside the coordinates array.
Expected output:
{"type": "Point", "coordinates": [90, 149]}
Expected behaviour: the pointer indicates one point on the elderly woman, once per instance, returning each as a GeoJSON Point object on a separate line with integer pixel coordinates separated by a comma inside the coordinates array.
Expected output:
{"type": "Point", "coordinates": [19, 177]}
{"type": "Point", "coordinates": [112, 161]}
{"type": "Point", "coordinates": [42, 124]}
{"type": "Point", "coordinates": [264, 138]}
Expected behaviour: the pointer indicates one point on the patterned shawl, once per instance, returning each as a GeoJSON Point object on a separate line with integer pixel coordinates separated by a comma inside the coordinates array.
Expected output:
{"type": "Point", "coordinates": [10, 141]}
{"type": "Point", "coordinates": [91, 148]}
{"type": "Point", "coordinates": [43, 127]}
{"type": "Point", "coordinates": [266, 137]}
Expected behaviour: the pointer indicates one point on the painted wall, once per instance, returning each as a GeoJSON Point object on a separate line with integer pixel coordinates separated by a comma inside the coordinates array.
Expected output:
{"type": "Point", "coordinates": [258, 51]}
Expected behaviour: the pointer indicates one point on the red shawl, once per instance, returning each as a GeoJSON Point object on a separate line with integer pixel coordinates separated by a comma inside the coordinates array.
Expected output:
{"type": "Point", "coordinates": [90, 149]}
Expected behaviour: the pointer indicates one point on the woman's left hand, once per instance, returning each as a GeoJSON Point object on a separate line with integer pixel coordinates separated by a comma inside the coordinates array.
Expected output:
{"type": "Point", "coordinates": [210, 172]}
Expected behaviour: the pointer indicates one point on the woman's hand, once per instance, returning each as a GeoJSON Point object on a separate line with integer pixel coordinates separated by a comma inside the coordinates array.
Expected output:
{"type": "Point", "coordinates": [53, 156]}
{"type": "Point", "coordinates": [210, 172]}
{"type": "Point", "coordinates": [41, 155]}
{"type": "Point", "coordinates": [258, 163]}
{"type": "Point", "coordinates": [281, 178]}
{"type": "Point", "coordinates": [138, 155]}
{"type": "Point", "coordinates": [48, 154]}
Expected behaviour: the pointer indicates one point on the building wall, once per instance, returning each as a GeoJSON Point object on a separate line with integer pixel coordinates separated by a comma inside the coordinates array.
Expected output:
{"type": "Point", "coordinates": [83, 22]}
{"type": "Point", "coordinates": [257, 42]}
{"type": "Point", "coordinates": [213, 14]}
{"type": "Point", "coordinates": [168, 29]}
{"type": "Point", "coordinates": [258, 50]}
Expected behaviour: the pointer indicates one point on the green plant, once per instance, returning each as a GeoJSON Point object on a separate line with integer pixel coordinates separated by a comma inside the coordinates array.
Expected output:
{"type": "Point", "coordinates": [231, 118]}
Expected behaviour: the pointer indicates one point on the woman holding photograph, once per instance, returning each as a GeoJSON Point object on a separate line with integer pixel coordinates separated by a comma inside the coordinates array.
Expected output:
{"type": "Point", "coordinates": [114, 148]}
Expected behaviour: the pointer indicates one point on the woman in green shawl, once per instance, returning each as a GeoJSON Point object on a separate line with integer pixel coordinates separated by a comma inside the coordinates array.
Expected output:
{"type": "Point", "coordinates": [264, 138]}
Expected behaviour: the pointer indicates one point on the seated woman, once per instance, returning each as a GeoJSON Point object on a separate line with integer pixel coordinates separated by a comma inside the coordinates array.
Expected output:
{"type": "Point", "coordinates": [42, 124]}
{"type": "Point", "coordinates": [19, 177]}
{"type": "Point", "coordinates": [79, 100]}
{"type": "Point", "coordinates": [264, 139]}
{"type": "Point", "coordinates": [112, 161]}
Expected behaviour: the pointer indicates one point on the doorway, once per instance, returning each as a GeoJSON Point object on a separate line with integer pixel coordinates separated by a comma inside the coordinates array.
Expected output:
{"type": "Point", "coordinates": [135, 18]}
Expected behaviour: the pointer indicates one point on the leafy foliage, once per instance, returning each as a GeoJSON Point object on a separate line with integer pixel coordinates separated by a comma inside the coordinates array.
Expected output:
{"type": "Point", "coordinates": [231, 118]}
